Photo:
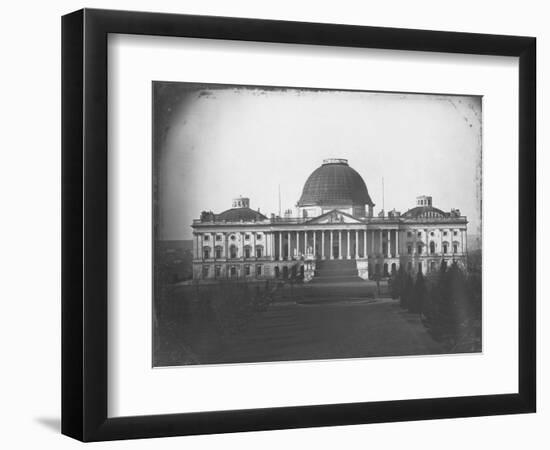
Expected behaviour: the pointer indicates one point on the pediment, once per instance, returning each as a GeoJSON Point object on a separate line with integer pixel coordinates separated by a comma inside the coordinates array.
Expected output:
{"type": "Point", "coordinates": [334, 216]}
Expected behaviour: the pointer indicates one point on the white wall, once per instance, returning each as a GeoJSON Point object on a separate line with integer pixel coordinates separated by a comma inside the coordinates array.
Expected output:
{"type": "Point", "coordinates": [30, 178]}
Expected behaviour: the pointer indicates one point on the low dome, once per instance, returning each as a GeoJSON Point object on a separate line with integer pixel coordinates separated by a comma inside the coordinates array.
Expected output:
{"type": "Point", "coordinates": [238, 214]}
{"type": "Point", "coordinates": [425, 212]}
{"type": "Point", "coordinates": [335, 183]}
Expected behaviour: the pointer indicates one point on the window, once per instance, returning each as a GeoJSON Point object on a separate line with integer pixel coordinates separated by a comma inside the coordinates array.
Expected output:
{"type": "Point", "coordinates": [259, 236]}
{"type": "Point", "coordinates": [218, 271]}
{"type": "Point", "coordinates": [218, 252]}
{"type": "Point", "coordinates": [218, 237]}
{"type": "Point", "coordinates": [432, 233]}
{"type": "Point", "coordinates": [409, 249]}
{"type": "Point", "coordinates": [206, 252]}
{"type": "Point", "coordinates": [432, 247]}
{"type": "Point", "coordinates": [206, 237]}
{"type": "Point", "coordinates": [409, 233]}
{"type": "Point", "coordinates": [258, 252]}
{"type": "Point", "coordinates": [419, 234]}
{"type": "Point", "coordinates": [233, 252]}
{"type": "Point", "coordinates": [247, 252]}
{"type": "Point", "coordinates": [419, 249]}
{"type": "Point", "coordinates": [445, 247]}
{"type": "Point", "coordinates": [455, 233]}
{"type": "Point", "coordinates": [409, 266]}
{"type": "Point", "coordinates": [259, 270]}
{"type": "Point", "coordinates": [247, 270]}
{"type": "Point", "coordinates": [432, 266]}
{"type": "Point", "coordinates": [246, 237]}
{"type": "Point", "coordinates": [455, 248]}
{"type": "Point", "coordinates": [205, 271]}
{"type": "Point", "coordinates": [232, 237]}
{"type": "Point", "coordinates": [233, 271]}
{"type": "Point", "coordinates": [444, 233]}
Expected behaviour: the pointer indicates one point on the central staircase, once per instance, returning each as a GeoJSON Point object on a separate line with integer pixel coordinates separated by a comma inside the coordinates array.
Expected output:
{"type": "Point", "coordinates": [336, 271]}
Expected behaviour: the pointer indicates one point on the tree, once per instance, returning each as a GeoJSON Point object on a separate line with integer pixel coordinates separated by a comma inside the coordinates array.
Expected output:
{"type": "Point", "coordinates": [406, 291]}
{"type": "Point", "coordinates": [451, 308]}
{"type": "Point", "coordinates": [418, 296]}
{"type": "Point", "coordinates": [397, 281]}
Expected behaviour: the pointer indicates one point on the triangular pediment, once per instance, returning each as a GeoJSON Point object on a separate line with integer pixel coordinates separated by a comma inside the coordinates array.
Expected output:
{"type": "Point", "coordinates": [334, 216]}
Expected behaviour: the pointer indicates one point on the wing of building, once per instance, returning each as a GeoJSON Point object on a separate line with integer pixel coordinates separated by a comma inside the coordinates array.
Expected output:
{"type": "Point", "coordinates": [332, 232]}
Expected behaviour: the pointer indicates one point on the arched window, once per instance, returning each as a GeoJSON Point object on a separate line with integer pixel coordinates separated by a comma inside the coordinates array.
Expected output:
{"type": "Point", "coordinates": [233, 251]}
{"type": "Point", "coordinates": [247, 252]}
{"type": "Point", "coordinates": [409, 249]}
{"type": "Point", "coordinates": [219, 252]}
{"type": "Point", "coordinates": [419, 249]}
{"type": "Point", "coordinates": [206, 252]}
{"type": "Point", "coordinates": [259, 250]}
{"type": "Point", "coordinates": [455, 247]}
{"type": "Point", "coordinates": [445, 247]}
{"type": "Point", "coordinates": [432, 247]}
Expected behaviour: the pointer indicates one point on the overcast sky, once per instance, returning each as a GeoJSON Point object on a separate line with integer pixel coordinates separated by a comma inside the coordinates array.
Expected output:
{"type": "Point", "coordinates": [213, 143]}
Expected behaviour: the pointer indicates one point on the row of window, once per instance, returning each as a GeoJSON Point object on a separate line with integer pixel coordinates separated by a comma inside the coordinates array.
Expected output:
{"type": "Point", "coordinates": [233, 252]}
{"type": "Point", "coordinates": [432, 248]}
{"type": "Point", "coordinates": [232, 270]}
{"type": "Point", "coordinates": [419, 234]}
{"type": "Point", "coordinates": [219, 237]}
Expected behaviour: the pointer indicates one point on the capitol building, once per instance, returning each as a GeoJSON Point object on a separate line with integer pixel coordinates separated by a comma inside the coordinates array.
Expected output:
{"type": "Point", "coordinates": [333, 230]}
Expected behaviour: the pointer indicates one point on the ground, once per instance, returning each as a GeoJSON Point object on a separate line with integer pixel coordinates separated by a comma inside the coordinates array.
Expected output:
{"type": "Point", "coordinates": [300, 322]}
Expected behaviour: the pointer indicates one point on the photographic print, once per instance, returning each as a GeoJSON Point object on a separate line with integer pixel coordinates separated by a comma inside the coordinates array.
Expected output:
{"type": "Point", "coordinates": [314, 224]}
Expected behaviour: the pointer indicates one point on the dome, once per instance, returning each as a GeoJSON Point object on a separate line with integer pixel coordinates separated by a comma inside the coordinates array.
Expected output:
{"type": "Point", "coordinates": [238, 214]}
{"type": "Point", "coordinates": [425, 212]}
{"type": "Point", "coordinates": [335, 183]}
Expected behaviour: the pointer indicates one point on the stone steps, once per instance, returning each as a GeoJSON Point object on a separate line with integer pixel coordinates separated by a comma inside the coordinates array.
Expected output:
{"type": "Point", "coordinates": [336, 271]}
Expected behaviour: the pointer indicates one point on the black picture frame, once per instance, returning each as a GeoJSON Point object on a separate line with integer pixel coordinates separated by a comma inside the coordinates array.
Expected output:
{"type": "Point", "coordinates": [84, 224]}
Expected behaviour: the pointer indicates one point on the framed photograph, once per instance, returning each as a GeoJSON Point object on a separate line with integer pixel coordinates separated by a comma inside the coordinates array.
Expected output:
{"type": "Point", "coordinates": [273, 224]}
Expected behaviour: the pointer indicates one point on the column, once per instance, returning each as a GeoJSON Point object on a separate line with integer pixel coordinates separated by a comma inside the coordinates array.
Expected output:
{"type": "Point", "coordinates": [226, 246]}
{"type": "Point", "coordinates": [381, 243]}
{"type": "Point", "coordinates": [242, 245]}
{"type": "Point", "coordinates": [322, 244]}
{"type": "Point", "coordinates": [427, 243]}
{"type": "Point", "coordinates": [339, 244]}
{"type": "Point", "coordinates": [288, 246]}
{"type": "Point", "coordinates": [372, 242]}
{"type": "Point", "coordinates": [349, 256]}
{"type": "Point", "coordinates": [397, 243]}
{"type": "Point", "coordinates": [314, 244]}
{"type": "Point", "coordinates": [254, 245]}
{"type": "Point", "coordinates": [297, 243]}
{"type": "Point", "coordinates": [330, 250]}
{"type": "Point", "coordinates": [365, 244]}
{"type": "Point", "coordinates": [280, 233]}
{"type": "Point", "coordinates": [200, 246]}
{"type": "Point", "coordinates": [388, 248]}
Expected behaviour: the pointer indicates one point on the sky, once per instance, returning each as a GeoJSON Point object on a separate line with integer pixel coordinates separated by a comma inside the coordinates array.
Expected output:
{"type": "Point", "coordinates": [213, 143]}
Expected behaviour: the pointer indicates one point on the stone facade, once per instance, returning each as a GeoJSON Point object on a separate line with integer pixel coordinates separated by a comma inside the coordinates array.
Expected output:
{"type": "Point", "coordinates": [250, 246]}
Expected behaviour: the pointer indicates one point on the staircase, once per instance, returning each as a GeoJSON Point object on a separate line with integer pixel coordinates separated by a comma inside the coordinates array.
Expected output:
{"type": "Point", "coordinates": [336, 271]}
